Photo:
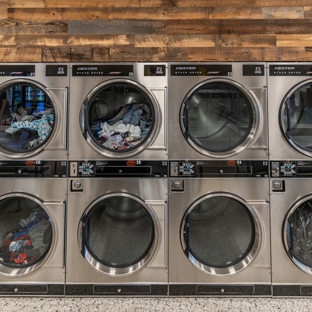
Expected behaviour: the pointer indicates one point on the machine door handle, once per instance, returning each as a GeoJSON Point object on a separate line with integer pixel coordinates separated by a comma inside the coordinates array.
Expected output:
{"type": "Point", "coordinates": [186, 115]}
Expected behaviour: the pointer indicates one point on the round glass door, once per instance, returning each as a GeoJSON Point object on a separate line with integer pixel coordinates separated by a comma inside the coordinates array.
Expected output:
{"type": "Point", "coordinates": [296, 118]}
{"type": "Point", "coordinates": [219, 118]}
{"type": "Point", "coordinates": [28, 120]}
{"type": "Point", "coordinates": [120, 118]}
{"type": "Point", "coordinates": [26, 234]}
{"type": "Point", "coordinates": [118, 234]}
{"type": "Point", "coordinates": [298, 234]}
{"type": "Point", "coordinates": [221, 234]}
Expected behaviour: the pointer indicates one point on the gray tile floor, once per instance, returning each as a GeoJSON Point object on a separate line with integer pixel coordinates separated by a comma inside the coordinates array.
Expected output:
{"type": "Point", "coordinates": [154, 304]}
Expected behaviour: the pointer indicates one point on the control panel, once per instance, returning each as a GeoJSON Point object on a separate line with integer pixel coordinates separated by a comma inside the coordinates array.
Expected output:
{"type": "Point", "coordinates": [121, 168]}
{"type": "Point", "coordinates": [228, 168]}
{"type": "Point", "coordinates": [291, 168]}
{"type": "Point", "coordinates": [33, 168]}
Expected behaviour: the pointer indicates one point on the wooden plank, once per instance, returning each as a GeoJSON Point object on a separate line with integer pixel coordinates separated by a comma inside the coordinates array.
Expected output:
{"type": "Point", "coordinates": [100, 40]}
{"type": "Point", "coordinates": [174, 41]}
{"type": "Point", "coordinates": [3, 11]}
{"type": "Point", "coordinates": [132, 54]}
{"type": "Point", "coordinates": [172, 3]}
{"type": "Point", "coordinates": [308, 12]}
{"type": "Point", "coordinates": [81, 54]}
{"type": "Point", "coordinates": [57, 54]}
{"type": "Point", "coordinates": [65, 14]}
{"type": "Point", "coordinates": [225, 3]}
{"type": "Point", "coordinates": [32, 28]}
{"type": "Point", "coordinates": [153, 3]}
{"type": "Point", "coordinates": [218, 54]}
{"type": "Point", "coordinates": [282, 13]}
{"type": "Point", "coordinates": [57, 14]}
{"type": "Point", "coordinates": [235, 13]}
{"type": "Point", "coordinates": [14, 55]}
{"type": "Point", "coordinates": [303, 40]}
{"type": "Point", "coordinates": [92, 4]}
{"type": "Point", "coordinates": [257, 13]}
{"type": "Point", "coordinates": [59, 41]}
{"type": "Point", "coordinates": [193, 27]}
{"type": "Point", "coordinates": [126, 27]}
{"type": "Point", "coordinates": [247, 54]}
{"type": "Point", "coordinates": [268, 26]}
{"type": "Point", "coordinates": [37, 41]}
{"type": "Point", "coordinates": [23, 4]}
{"type": "Point", "coordinates": [247, 40]}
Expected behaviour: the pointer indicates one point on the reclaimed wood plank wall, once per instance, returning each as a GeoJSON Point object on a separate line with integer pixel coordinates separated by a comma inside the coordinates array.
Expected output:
{"type": "Point", "coordinates": [155, 30]}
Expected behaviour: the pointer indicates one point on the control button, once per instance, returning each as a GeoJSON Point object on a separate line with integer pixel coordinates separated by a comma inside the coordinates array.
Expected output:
{"type": "Point", "coordinates": [177, 185]}
{"type": "Point", "coordinates": [278, 186]}
{"type": "Point", "coordinates": [76, 186]}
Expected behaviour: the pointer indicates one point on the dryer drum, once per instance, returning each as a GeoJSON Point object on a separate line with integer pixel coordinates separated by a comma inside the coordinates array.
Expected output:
{"type": "Point", "coordinates": [120, 118]}
{"type": "Point", "coordinates": [31, 119]}
{"type": "Point", "coordinates": [26, 234]}
{"type": "Point", "coordinates": [218, 117]}
{"type": "Point", "coordinates": [296, 117]}
{"type": "Point", "coordinates": [220, 234]}
{"type": "Point", "coordinates": [118, 234]}
{"type": "Point", "coordinates": [298, 235]}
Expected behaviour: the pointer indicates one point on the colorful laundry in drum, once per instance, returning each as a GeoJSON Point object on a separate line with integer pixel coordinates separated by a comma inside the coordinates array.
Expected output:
{"type": "Point", "coordinates": [28, 131]}
{"type": "Point", "coordinates": [28, 241]}
{"type": "Point", "coordinates": [124, 130]}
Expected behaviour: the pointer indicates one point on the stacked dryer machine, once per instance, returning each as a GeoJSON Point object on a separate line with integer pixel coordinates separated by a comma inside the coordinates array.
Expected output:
{"type": "Point", "coordinates": [117, 224]}
{"type": "Point", "coordinates": [290, 124]}
{"type": "Point", "coordinates": [33, 171]}
{"type": "Point", "coordinates": [219, 238]}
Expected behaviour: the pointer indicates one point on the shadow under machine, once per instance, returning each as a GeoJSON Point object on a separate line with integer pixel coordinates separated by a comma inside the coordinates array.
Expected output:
{"type": "Point", "coordinates": [33, 179]}
{"type": "Point", "coordinates": [219, 235]}
{"type": "Point", "coordinates": [290, 98]}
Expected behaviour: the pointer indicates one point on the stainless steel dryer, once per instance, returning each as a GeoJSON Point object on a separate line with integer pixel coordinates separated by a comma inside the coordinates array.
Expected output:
{"type": "Point", "coordinates": [219, 235]}
{"type": "Point", "coordinates": [217, 110]}
{"type": "Point", "coordinates": [290, 110]}
{"type": "Point", "coordinates": [37, 97]}
{"type": "Point", "coordinates": [118, 111]}
{"type": "Point", "coordinates": [117, 229]}
{"type": "Point", "coordinates": [32, 228]}
{"type": "Point", "coordinates": [291, 209]}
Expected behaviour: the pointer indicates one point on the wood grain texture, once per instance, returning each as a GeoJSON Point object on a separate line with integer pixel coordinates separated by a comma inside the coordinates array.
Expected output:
{"type": "Point", "coordinates": [132, 54]}
{"type": "Point", "coordinates": [155, 30]}
{"type": "Point", "coordinates": [265, 26]}
{"type": "Point", "coordinates": [248, 54]}
{"type": "Point", "coordinates": [100, 40]}
{"type": "Point", "coordinates": [82, 14]}
{"type": "Point", "coordinates": [175, 41]}
{"type": "Point", "coordinates": [247, 40]}
{"type": "Point", "coordinates": [81, 54]}
{"type": "Point", "coordinates": [193, 27]}
{"type": "Point", "coordinates": [175, 3]}
{"type": "Point", "coordinates": [58, 54]}
{"type": "Point", "coordinates": [3, 12]}
{"type": "Point", "coordinates": [302, 40]}
{"type": "Point", "coordinates": [257, 13]}
{"type": "Point", "coordinates": [23, 4]}
{"type": "Point", "coordinates": [116, 27]}
{"type": "Point", "coordinates": [10, 55]}
{"type": "Point", "coordinates": [33, 28]}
